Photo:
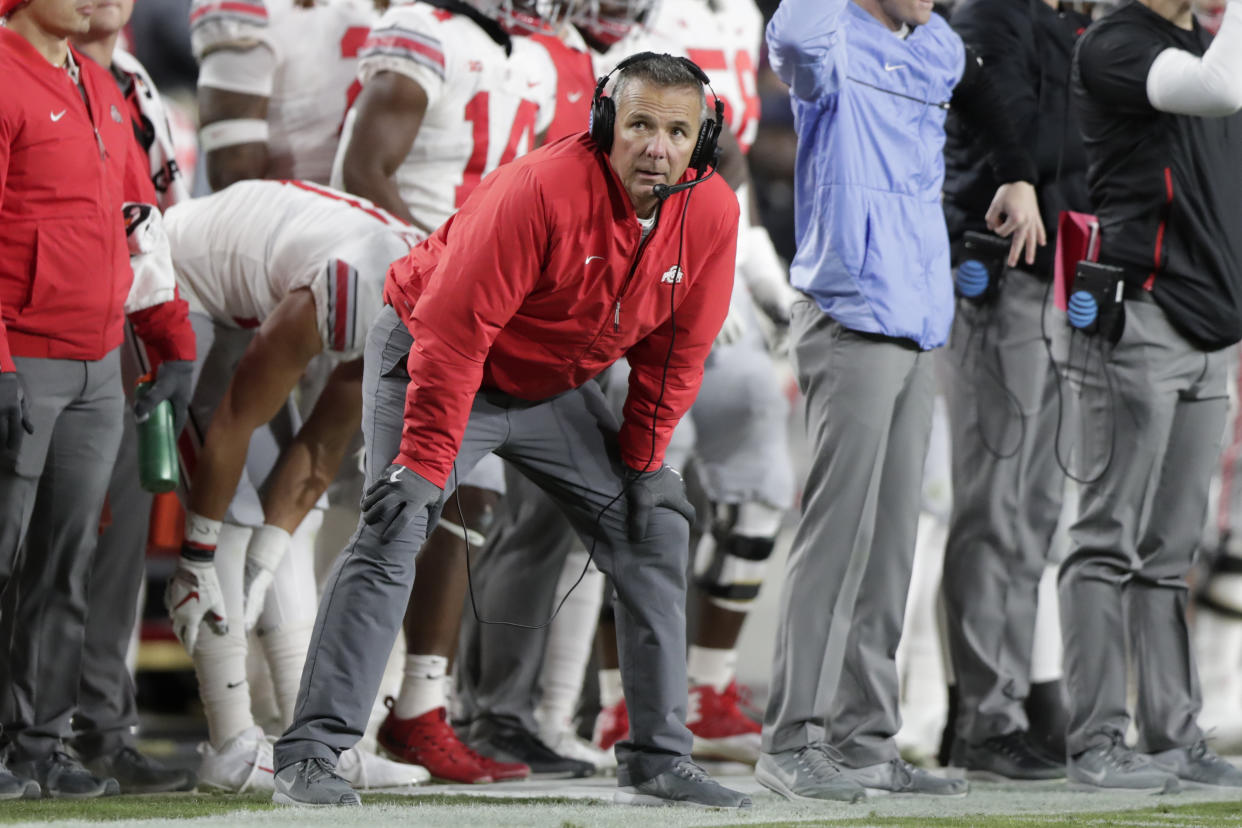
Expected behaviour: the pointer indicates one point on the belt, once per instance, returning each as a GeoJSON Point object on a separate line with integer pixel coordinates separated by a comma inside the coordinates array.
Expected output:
{"type": "Point", "coordinates": [1138, 293]}
{"type": "Point", "coordinates": [501, 399]}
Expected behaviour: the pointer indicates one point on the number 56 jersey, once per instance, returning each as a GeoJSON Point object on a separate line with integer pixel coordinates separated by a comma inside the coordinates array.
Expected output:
{"type": "Point", "coordinates": [488, 97]}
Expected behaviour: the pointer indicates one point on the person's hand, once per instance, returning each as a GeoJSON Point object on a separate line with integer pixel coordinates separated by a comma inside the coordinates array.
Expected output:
{"type": "Point", "coordinates": [1014, 214]}
{"type": "Point", "coordinates": [647, 490]}
{"type": "Point", "coordinates": [193, 596]}
{"type": "Point", "coordinates": [14, 411]}
{"type": "Point", "coordinates": [734, 326]}
{"type": "Point", "coordinates": [396, 498]}
{"type": "Point", "coordinates": [173, 382]}
{"type": "Point", "coordinates": [267, 548]}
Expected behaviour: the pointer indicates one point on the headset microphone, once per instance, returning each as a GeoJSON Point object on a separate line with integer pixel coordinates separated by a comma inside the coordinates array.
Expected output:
{"type": "Point", "coordinates": [663, 191]}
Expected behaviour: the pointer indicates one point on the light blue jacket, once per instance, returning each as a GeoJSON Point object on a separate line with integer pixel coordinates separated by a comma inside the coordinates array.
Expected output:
{"type": "Point", "coordinates": [873, 250]}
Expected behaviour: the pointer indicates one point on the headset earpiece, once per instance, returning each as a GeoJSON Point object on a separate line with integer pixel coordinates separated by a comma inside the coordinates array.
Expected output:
{"type": "Point", "coordinates": [603, 115]}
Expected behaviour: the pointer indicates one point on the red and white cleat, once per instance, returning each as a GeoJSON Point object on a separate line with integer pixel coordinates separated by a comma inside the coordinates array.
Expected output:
{"type": "Point", "coordinates": [611, 726]}
{"type": "Point", "coordinates": [721, 730]}
{"type": "Point", "coordinates": [429, 741]}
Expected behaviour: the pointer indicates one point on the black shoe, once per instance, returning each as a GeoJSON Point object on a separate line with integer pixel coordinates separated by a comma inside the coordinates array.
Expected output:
{"type": "Point", "coordinates": [1009, 757]}
{"type": "Point", "coordinates": [63, 777]}
{"type": "Point", "coordinates": [13, 786]}
{"type": "Point", "coordinates": [138, 773]}
{"type": "Point", "coordinates": [515, 744]}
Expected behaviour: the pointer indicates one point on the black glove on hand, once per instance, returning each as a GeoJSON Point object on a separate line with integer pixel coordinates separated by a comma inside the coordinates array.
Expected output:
{"type": "Point", "coordinates": [14, 411]}
{"type": "Point", "coordinates": [174, 381]}
{"type": "Point", "coordinates": [646, 490]}
{"type": "Point", "coordinates": [396, 498]}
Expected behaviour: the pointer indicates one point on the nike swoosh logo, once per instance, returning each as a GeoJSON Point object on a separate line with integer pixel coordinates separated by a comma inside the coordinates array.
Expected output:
{"type": "Point", "coordinates": [1097, 776]}
{"type": "Point", "coordinates": [892, 67]}
{"type": "Point", "coordinates": [396, 475]}
{"type": "Point", "coordinates": [260, 767]}
{"type": "Point", "coordinates": [193, 596]}
{"type": "Point", "coordinates": [233, 684]}
{"type": "Point", "coordinates": [531, 84]}
{"type": "Point", "coordinates": [573, 97]}
{"type": "Point", "coordinates": [589, 258]}
{"type": "Point", "coordinates": [56, 116]}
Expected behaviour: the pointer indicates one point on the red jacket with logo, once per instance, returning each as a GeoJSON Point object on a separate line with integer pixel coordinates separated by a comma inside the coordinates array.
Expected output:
{"type": "Point", "coordinates": [65, 171]}
{"type": "Point", "coordinates": [540, 282]}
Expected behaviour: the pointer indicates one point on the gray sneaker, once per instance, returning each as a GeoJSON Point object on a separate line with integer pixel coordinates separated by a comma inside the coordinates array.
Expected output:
{"type": "Point", "coordinates": [684, 784]}
{"type": "Point", "coordinates": [1198, 765]}
{"type": "Point", "coordinates": [312, 782]}
{"type": "Point", "coordinates": [897, 776]}
{"type": "Point", "coordinates": [13, 786]}
{"type": "Point", "coordinates": [1117, 766]}
{"type": "Point", "coordinates": [807, 773]}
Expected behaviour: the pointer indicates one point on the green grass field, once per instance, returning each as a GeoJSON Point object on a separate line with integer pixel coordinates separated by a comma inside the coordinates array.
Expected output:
{"type": "Point", "coordinates": [564, 812]}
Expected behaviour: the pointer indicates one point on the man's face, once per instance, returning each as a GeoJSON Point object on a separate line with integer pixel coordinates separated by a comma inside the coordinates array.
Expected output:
{"type": "Point", "coordinates": [61, 18]}
{"type": "Point", "coordinates": [910, 12]}
{"type": "Point", "coordinates": [110, 16]}
{"type": "Point", "coordinates": [653, 138]}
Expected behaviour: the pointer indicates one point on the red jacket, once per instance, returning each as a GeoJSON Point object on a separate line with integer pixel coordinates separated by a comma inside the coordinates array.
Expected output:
{"type": "Point", "coordinates": [64, 174]}
{"type": "Point", "coordinates": [528, 290]}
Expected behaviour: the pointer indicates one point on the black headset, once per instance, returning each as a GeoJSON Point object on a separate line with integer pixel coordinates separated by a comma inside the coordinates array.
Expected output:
{"type": "Point", "coordinates": [604, 114]}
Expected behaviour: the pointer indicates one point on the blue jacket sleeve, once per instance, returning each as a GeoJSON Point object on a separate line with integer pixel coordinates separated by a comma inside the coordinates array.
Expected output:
{"type": "Point", "coordinates": [806, 46]}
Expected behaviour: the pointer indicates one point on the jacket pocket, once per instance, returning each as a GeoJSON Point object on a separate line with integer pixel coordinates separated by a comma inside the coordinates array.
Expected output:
{"type": "Point", "coordinates": [72, 283]}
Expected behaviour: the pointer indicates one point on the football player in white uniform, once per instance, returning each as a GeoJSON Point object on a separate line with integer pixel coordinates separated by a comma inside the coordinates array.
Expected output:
{"type": "Point", "coordinates": [285, 271]}
{"type": "Point", "coordinates": [450, 91]}
{"type": "Point", "coordinates": [275, 79]}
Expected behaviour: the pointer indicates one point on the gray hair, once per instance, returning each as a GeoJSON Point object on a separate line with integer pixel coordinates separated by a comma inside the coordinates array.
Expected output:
{"type": "Point", "coordinates": [665, 71]}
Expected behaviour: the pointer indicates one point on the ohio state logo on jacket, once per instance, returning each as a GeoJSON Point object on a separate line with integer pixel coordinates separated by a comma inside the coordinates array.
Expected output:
{"type": "Point", "coordinates": [672, 276]}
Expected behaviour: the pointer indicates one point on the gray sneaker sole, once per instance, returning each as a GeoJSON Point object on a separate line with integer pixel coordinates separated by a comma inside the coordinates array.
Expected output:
{"type": "Point", "coordinates": [629, 796]}
{"type": "Point", "coordinates": [108, 788]}
{"type": "Point", "coordinates": [776, 786]}
{"type": "Point", "coordinates": [281, 798]}
{"type": "Point", "coordinates": [1171, 786]}
{"type": "Point", "coordinates": [993, 776]}
{"type": "Point", "coordinates": [874, 792]}
{"type": "Point", "coordinates": [30, 790]}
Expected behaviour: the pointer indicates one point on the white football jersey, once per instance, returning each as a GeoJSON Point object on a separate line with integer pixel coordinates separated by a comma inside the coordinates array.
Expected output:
{"type": "Point", "coordinates": [240, 251]}
{"type": "Point", "coordinates": [316, 51]}
{"type": "Point", "coordinates": [722, 36]}
{"type": "Point", "coordinates": [484, 107]}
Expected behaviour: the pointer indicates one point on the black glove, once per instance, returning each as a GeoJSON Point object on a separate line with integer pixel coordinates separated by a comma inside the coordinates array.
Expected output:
{"type": "Point", "coordinates": [174, 381]}
{"type": "Point", "coordinates": [14, 411]}
{"type": "Point", "coordinates": [396, 498]}
{"type": "Point", "coordinates": [646, 490]}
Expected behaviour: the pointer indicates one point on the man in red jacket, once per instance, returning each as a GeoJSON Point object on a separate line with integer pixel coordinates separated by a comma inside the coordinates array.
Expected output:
{"type": "Point", "coordinates": [83, 248]}
{"type": "Point", "coordinates": [559, 264]}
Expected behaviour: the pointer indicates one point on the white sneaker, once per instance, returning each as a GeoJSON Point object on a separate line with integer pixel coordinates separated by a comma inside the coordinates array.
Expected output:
{"type": "Point", "coordinates": [244, 763]}
{"type": "Point", "coordinates": [570, 745]}
{"type": "Point", "coordinates": [363, 769]}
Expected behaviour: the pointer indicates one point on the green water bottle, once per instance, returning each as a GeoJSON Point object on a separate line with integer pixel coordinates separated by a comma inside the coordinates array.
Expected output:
{"type": "Point", "coordinates": [158, 471]}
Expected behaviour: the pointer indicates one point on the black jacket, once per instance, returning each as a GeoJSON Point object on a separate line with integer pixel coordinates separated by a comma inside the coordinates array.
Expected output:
{"type": "Point", "coordinates": [1027, 48]}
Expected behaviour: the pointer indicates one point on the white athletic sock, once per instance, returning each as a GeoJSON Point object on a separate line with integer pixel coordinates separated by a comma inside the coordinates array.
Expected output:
{"type": "Point", "coordinates": [1046, 647]}
{"type": "Point", "coordinates": [568, 648]}
{"type": "Point", "coordinates": [288, 616]}
{"type": "Point", "coordinates": [220, 660]}
{"type": "Point", "coordinates": [711, 666]}
{"type": "Point", "coordinates": [422, 686]}
{"type": "Point", "coordinates": [610, 691]}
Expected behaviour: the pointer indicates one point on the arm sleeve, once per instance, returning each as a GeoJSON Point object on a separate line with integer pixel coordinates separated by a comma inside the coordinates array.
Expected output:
{"type": "Point", "coordinates": [1209, 86]}
{"type": "Point", "coordinates": [1113, 65]}
{"type": "Point", "coordinates": [406, 40]}
{"type": "Point", "coordinates": [656, 402]}
{"type": "Point", "coordinates": [6, 138]}
{"type": "Point", "coordinates": [987, 112]}
{"type": "Point", "coordinates": [247, 70]}
{"type": "Point", "coordinates": [806, 46]}
{"type": "Point", "coordinates": [227, 24]}
{"type": "Point", "coordinates": [493, 258]}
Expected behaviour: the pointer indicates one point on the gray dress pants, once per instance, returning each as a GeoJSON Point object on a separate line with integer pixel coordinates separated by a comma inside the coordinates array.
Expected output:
{"type": "Point", "coordinates": [568, 446]}
{"type": "Point", "coordinates": [1000, 386]}
{"type": "Point", "coordinates": [1137, 531]}
{"type": "Point", "coordinates": [51, 496]}
{"type": "Point", "coordinates": [868, 418]}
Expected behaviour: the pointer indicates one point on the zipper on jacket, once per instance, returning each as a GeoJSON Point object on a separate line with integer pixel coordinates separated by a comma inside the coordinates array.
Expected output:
{"type": "Point", "coordinates": [642, 245]}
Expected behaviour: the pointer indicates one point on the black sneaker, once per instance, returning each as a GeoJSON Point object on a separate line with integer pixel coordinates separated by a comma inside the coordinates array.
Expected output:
{"type": "Point", "coordinates": [137, 773]}
{"type": "Point", "coordinates": [1007, 758]}
{"type": "Point", "coordinates": [684, 784]}
{"type": "Point", "coordinates": [514, 744]}
{"type": "Point", "coordinates": [13, 786]}
{"type": "Point", "coordinates": [63, 777]}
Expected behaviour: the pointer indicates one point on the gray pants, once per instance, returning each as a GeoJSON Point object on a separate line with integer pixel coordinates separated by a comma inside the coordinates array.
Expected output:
{"type": "Point", "coordinates": [568, 446]}
{"type": "Point", "coordinates": [868, 417]}
{"type": "Point", "coordinates": [51, 496]}
{"type": "Point", "coordinates": [1137, 531]}
{"type": "Point", "coordinates": [1000, 386]}
{"type": "Point", "coordinates": [107, 714]}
